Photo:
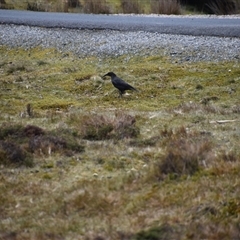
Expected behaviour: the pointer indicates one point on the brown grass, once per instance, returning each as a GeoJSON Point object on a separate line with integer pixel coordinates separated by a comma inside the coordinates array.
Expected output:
{"type": "Point", "coordinates": [19, 143]}
{"type": "Point", "coordinates": [99, 127]}
{"type": "Point", "coordinates": [165, 7]}
{"type": "Point", "coordinates": [162, 167]}
{"type": "Point", "coordinates": [122, 6]}
{"type": "Point", "coordinates": [131, 6]}
{"type": "Point", "coordinates": [185, 153]}
{"type": "Point", "coordinates": [96, 7]}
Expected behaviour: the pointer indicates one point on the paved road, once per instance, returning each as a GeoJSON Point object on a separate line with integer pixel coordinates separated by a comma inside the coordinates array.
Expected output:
{"type": "Point", "coordinates": [205, 26]}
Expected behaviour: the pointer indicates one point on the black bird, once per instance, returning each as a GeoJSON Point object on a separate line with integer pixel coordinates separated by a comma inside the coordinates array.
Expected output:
{"type": "Point", "coordinates": [118, 83]}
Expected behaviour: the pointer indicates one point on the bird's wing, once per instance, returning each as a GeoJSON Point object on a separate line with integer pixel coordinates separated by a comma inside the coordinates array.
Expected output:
{"type": "Point", "coordinates": [121, 84]}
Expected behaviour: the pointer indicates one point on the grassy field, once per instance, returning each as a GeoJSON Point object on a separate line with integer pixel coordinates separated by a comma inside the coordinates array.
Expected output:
{"type": "Point", "coordinates": [77, 162]}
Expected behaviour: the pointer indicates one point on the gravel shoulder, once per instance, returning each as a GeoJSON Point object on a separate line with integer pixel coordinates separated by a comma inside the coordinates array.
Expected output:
{"type": "Point", "coordinates": [105, 43]}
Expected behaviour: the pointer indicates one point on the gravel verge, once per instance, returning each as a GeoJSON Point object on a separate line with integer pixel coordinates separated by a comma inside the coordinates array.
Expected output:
{"type": "Point", "coordinates": [105, 43]}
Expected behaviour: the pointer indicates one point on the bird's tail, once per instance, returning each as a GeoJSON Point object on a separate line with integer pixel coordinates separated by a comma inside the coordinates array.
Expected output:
{"type": "Point", "coordinates": [134, 89]}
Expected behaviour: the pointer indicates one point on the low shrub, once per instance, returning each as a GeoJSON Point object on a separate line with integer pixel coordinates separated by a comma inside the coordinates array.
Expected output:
{"type": "Point", "coordinates": [31, 130]}
{"type": "Point", "coordinates": [182, 157]}
{"type": "Point", "coordinates": [59, 141]}
{"type": "Point", "coordinates": [19, 133]}
{"type": "Point", "coordinates": [10, 131]}
{"type": "Point", "coordinates": [98, 127]}
{"type": "Point", "coordinates": [19, 142]}
{"type": "Point", "coordinates": [184, 152]}
{"type": "Point", "coordinates": [95, 127]}
{"type": "Point", "coordinates": [124, 126]}
{"type": "Point", "coordinates": [13, 154]}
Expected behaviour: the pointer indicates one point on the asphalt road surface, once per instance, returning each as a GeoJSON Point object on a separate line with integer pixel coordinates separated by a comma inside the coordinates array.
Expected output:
{"type": "Point", "coordinates": [196, 26]}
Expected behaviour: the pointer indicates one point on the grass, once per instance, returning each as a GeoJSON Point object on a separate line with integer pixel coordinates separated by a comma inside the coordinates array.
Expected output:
{"type": "Point", "coordinates": [89, 165]}
{"type": "Point", "coordinates": [219, 7]}
{"type": "Point", "coordinates": [97, 7]}
{"type": "Point", "coordinates": [166, 7]}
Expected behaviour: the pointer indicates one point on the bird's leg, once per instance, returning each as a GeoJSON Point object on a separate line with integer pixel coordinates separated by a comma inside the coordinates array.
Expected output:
{"type": "Point", "coordinates": [120, 94]}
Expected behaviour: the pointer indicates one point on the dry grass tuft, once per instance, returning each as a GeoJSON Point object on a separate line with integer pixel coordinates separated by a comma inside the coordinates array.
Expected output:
{"type": "Point", "coordinates": [182, 157]}
{"type": "Point", "coordinates": [131, 6]}
{"type": "Point", "coordinates": [99, 127]}
{"type": "Point", "coordinates": [96, 7]}
{"type": "Point", "coordinates": [124, 126]}
{"type": "Point", "coordinates": [184, 152]}
{"type": "Point", "coordinates": [165, 7]}
{"type": "Point", "coordinates": [95, 127]}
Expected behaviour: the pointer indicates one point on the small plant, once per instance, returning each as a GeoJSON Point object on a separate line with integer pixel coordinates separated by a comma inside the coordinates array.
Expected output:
{"type": "Point", "coordinates": [199, 87]}
{"type": "Point", "coordinates": [41, 63]}
{"type": "Point", "coordinates": [29, 110]}
{"type": "Point", "coordinates": [124, 126]}
{"type": "Point", "coordinates": [231, 207]}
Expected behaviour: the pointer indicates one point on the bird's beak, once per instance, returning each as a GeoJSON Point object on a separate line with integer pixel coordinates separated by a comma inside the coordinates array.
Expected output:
{"type": "Point", "coordinates": [104, 76]}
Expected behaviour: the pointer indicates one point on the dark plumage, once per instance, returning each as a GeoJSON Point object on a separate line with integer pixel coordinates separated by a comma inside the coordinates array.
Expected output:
{"type": "Point", "coordinates": [118, 83]}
